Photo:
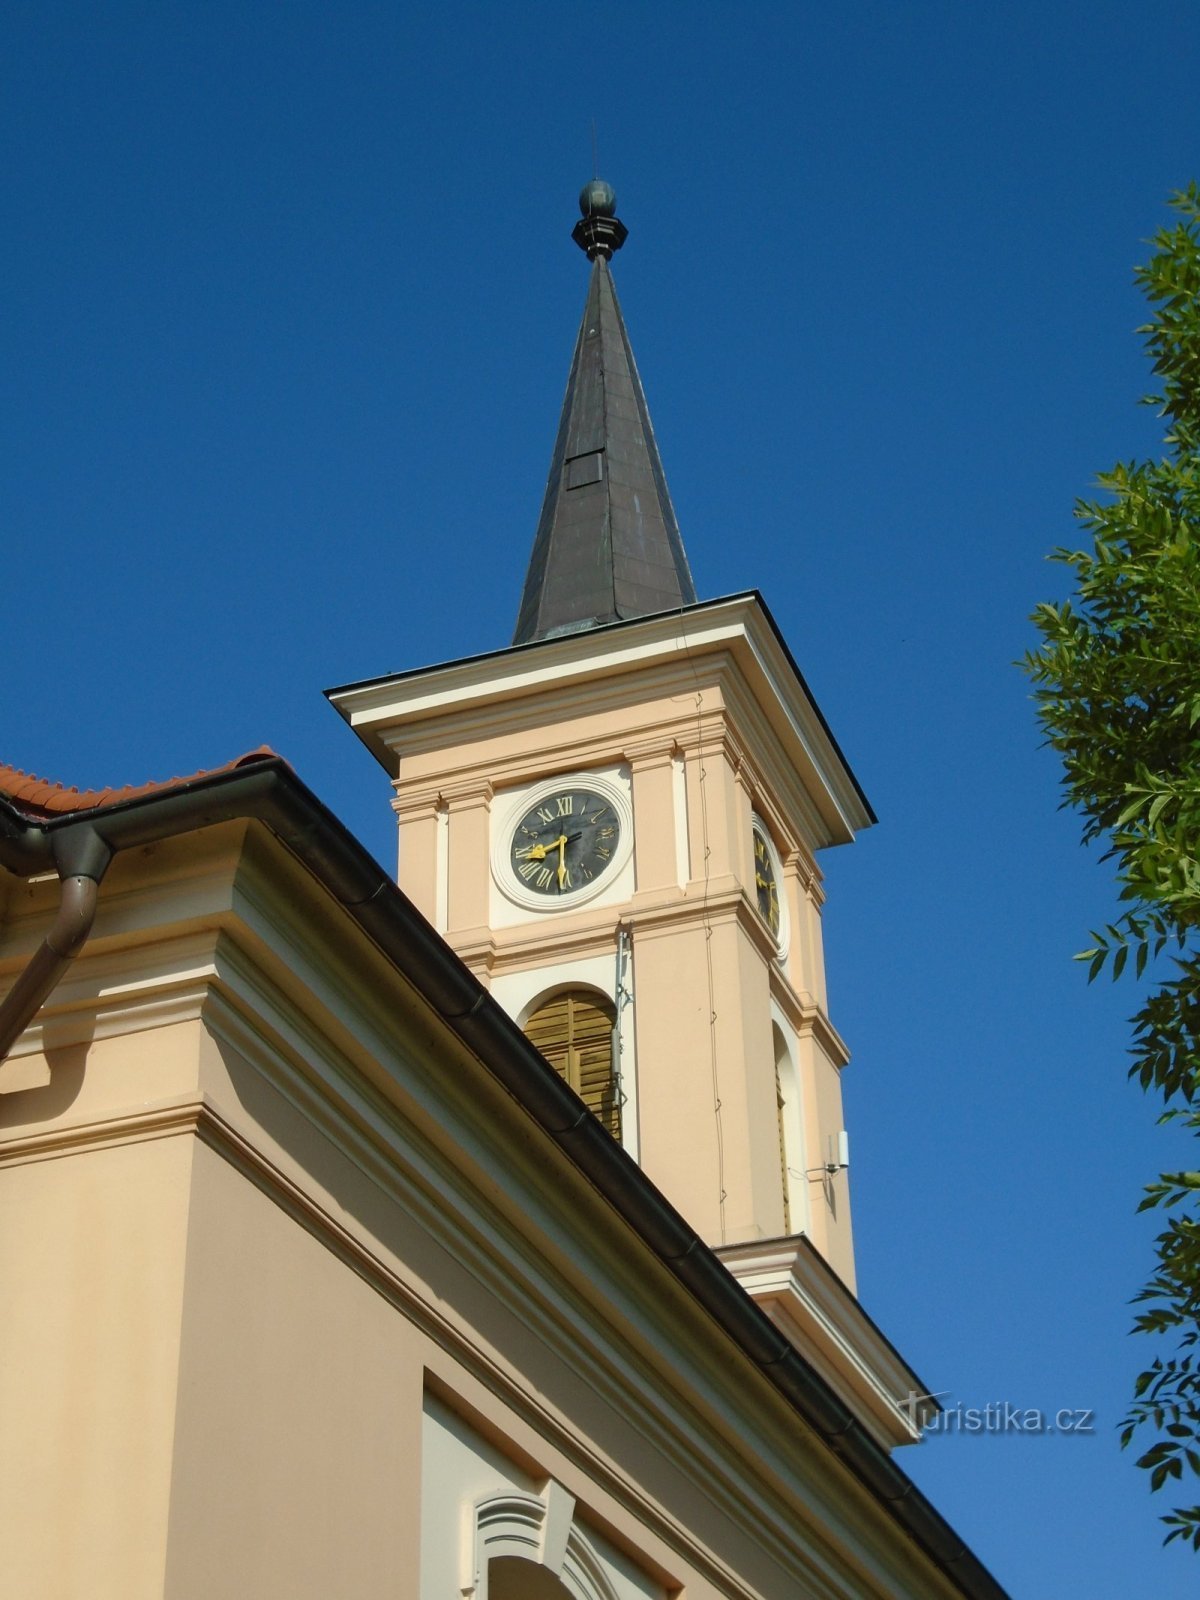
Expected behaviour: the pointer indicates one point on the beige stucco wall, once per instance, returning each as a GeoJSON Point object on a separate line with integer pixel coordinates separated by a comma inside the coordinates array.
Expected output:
{"type": "Point", "coordinates": [274, 1203]}
{"type": "Point", "coordinates": [829, 1204]}
{"type": "Point", "coordinates": [297, 1441]}
{"type": "Point", "coordinates": [704, 970]}
{"type": "Point", "coordinates": [92, 1263]}
{"type": "Point", "coordinates": [326, 1294]}
{"type": "Point", "coordinates": [708, 1128]}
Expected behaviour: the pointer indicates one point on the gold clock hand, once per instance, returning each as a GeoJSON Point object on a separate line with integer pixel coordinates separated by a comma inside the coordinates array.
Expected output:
{"type": "Point", "coordinates": [539, 852]}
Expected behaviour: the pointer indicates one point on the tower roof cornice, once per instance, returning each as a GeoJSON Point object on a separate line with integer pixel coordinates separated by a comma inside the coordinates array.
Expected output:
{"type": "Point", "coordinates": [607, 545]}
{"type": "Point", "coordinates": [397, 711]}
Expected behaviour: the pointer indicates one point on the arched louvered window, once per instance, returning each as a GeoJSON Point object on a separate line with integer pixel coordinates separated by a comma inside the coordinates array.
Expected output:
{"type": "Point", "coordinates": [574, 1031]}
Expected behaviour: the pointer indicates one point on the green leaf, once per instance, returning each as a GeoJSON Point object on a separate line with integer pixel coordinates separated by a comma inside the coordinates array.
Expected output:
{"type": "Point", "coordinates": [1115, 680]}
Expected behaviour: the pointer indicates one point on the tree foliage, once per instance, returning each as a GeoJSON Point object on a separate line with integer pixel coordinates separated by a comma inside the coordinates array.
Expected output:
{"type": "Point", "coordinates": [1117, 684]}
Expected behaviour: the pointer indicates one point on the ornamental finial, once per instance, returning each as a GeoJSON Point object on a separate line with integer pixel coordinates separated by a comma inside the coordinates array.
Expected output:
{"type": "Point", "coordinates": [599, 231]}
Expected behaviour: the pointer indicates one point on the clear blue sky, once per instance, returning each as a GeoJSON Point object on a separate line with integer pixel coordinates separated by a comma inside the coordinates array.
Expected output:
{"type": "Point", "coordinates": [289, 302]}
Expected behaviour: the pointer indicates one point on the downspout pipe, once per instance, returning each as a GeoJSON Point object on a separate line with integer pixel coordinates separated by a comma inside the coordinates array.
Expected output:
{"type": "Point", "coordinates": [82, 859]}
{"type": "Point", "coordinates": [79, 847]}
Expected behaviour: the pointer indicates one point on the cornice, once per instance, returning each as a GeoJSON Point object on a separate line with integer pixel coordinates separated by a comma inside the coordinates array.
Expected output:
{"type": "Point", "coordinates": [674, 652]}
{"type": "Point", "coordinates": [528, 944]}
{"type": "Point", "coordinates": [561, 749]}
{"type": "Point", "coordinates": [164, 1120]}
{"type": "Point", "coordinates": [594, 932]}
{"type": "Point", "coordinates": [829, 1039]}
{"type": "Point", "coordinates": [664, 912]}
{"type": "Point", "coordinates": [642, 754]}
{"type": "Point", "coordinates": [114, 992]}
{"type": "Point", "coordinates": [781, 793]}
{"type": "Point", "coordinates": [809, 1303]}
{"type": "Point", "coordinates": [421, 800]}
{"type": "Point", "coordinates": [808, 1019]}
{"type": "Point", "coordinates": [799, 864]}
{"type": "Point", "coordinates": [475, 946]}
{"type": "Point", "coordinates": [466, 791]}
{"type": "Point", "coordinates": [558, 704]}
{"type": "Point", "coordinates": [516, 948]}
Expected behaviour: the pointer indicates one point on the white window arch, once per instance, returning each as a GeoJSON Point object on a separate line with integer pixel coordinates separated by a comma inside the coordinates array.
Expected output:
{"type": "Point", "coordinates": [532, 1545]}
{"type": "Point", "coordinates": [789, 1110]}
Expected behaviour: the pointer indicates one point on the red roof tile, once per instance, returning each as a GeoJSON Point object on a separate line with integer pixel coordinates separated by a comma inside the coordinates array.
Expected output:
{"type": "Point", "coordinates": [40, 799]}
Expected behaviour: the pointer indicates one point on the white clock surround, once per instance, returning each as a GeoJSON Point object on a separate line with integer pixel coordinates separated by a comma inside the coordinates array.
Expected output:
{"type": "Point", "coordinates": [613, 786]}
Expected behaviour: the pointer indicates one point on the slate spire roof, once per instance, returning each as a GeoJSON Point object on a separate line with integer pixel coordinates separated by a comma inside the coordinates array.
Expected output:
{"type": "Point", "coordinates": [607, 544]}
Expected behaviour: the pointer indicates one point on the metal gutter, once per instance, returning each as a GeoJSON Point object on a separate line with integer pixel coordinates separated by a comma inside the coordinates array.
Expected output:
{"type": "Point", "coordinates": [266, 790]}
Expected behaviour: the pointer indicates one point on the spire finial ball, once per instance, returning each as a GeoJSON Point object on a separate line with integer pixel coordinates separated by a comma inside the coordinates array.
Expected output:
{"type": "Point", "coordinates": [597, 199]}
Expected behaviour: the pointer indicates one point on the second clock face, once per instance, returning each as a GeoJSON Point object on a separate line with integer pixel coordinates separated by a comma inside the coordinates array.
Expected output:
{"type": "Point", "coordinates": [765, 887]}
{"type": "Point", "coordinates": [565, 842]}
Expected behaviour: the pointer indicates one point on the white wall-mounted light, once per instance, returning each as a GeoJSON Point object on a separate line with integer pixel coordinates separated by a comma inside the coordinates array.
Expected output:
{"type": "Point", "coordinates": [839, 1152]}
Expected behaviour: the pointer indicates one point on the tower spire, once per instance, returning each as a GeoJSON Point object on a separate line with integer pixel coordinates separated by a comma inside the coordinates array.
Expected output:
{"type": "Point", "coordinates": [607, 544]}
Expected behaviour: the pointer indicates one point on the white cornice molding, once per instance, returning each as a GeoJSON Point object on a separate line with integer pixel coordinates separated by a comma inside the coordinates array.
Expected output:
{"type": "Point", "coordinates": [808, 1019]}
{"type": "Point", "coordinates": [110, 992]}
{"type": "Point", "coordinates": [823, 1319]}
{"type": "Point", "coordinates": [164, 1120]}
{"type": "Point", "coordinates": [387, 714]}
{"type": "Point", "coordinates": [560, 746]}
{"type": "Point", "coordinates": [419, 800]}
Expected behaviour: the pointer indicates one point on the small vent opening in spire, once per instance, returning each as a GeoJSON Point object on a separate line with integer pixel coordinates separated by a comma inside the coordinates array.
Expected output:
{"type": "Point", "coordinates": [583, 470]}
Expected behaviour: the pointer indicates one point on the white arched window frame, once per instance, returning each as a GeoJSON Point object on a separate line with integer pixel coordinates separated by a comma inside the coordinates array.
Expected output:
{"type": "Point", "coordinates": [787, 1076]}
{"type": "Point", "coordinates": [540, 1529]}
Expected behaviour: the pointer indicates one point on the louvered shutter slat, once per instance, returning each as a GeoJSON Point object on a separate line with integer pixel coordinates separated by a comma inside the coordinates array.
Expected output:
{"type": "Point", "coordinates": [575, 1034]}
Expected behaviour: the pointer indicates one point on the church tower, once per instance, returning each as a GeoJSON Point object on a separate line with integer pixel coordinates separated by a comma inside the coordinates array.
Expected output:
{"type": "Point", "coordinates": [615, 822]}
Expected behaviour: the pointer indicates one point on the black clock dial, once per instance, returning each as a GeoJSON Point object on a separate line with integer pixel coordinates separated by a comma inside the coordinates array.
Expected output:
{"type": "Point", "coordinates": [565, 841]}
{"type": "Point", "coordinates": [765, 887]}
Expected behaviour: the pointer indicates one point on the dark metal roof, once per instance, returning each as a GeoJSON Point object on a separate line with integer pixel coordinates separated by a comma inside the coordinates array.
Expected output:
{"type": "Point", "coordinates": [607, 544]}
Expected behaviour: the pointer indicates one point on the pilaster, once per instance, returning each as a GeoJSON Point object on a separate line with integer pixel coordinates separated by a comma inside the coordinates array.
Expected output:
{"type": "Point", "coordinates": [743, 801]}
{"type": "Point", "coordinates": [650, 765]}
{"type": "Point", "coordinates": [805, 958]}
{"type": "Point", "coordinates": [468, 808]}
{"type": "Point", "coordinates": [417, 847]}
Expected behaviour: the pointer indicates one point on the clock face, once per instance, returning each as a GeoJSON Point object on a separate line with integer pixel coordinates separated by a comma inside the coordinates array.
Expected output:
{"type": "Point", "coordinates": [565, 842]}
{"type": "Point", "coordinates": [765, 886]}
